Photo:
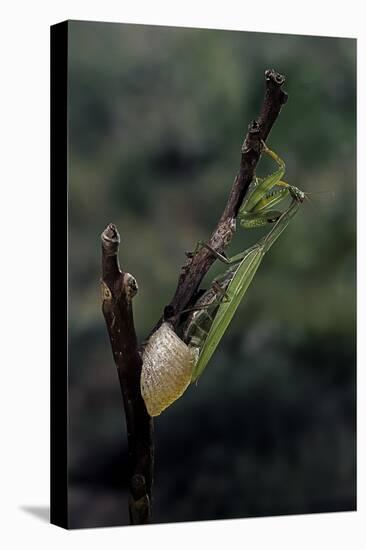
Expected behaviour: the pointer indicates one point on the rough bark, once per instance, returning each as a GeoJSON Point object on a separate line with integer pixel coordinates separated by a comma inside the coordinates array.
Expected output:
{"type": "Point", "coordinates": [118, 289]}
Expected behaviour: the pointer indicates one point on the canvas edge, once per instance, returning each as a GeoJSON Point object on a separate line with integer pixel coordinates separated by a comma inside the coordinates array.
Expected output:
{"type": "Point", "coordinates": [59, 276]}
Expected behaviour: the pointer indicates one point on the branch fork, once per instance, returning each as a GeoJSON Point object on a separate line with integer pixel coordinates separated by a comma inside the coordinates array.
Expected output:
{"type": "Point", "coordinates": [118, 289]}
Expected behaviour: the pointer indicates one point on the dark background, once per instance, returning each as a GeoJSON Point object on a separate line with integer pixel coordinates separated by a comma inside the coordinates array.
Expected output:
{"type": "Point", "coordinates": [157, 119]}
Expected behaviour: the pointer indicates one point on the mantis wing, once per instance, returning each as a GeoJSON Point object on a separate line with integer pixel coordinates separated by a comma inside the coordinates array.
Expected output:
{"type": "Point", "coordinates": [238, 286]}
{"type": "Point", "coordinates": [235, 291]}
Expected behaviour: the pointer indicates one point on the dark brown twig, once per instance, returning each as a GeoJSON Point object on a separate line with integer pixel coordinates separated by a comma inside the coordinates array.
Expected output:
{"type": "Point", "coordinates": [196, 268]}
{"type": "Point", "coordinates": [118, 289]}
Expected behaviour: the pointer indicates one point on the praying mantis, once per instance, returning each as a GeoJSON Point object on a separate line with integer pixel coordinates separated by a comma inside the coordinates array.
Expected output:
{"type": "Point", "coordinates": [215, 309]}
{"type": "Point", "coordinates": [171, 363]}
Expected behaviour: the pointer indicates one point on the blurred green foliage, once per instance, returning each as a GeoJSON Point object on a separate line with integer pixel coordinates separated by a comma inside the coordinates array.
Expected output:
{"type": "Point", "coordinates": [157, 116]}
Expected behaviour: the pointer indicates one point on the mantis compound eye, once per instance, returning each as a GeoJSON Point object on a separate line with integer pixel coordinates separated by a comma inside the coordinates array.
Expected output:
{"type": "Point", "coordinates": [166, 369]}
{"type": "Point", "coordinates": [298, 194]}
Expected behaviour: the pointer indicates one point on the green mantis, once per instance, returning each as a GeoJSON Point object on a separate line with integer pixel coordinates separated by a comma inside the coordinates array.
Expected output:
{"type": "Point", "coordinates": [215, 309]}
{"type": "Point", "coordinates": [171, 363]}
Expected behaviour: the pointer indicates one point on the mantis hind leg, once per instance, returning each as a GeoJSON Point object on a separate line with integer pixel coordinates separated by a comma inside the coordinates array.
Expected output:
{"type": "Point", "coordinates": [222, 257]}
{"type": "Point", "coordinates": [221, 296]}
{"type": "Point", "coordinates": [201, 244]}
{"type": "Point", "coordinates": [224, 297]}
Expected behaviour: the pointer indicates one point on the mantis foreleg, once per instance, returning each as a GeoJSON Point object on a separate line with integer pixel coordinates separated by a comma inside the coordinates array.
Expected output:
{"type": "Point", "coordinates": [265, 185]}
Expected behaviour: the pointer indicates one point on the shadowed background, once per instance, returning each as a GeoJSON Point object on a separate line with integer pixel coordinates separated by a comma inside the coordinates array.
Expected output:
{"type": "Point", "coordinates": [157, 119]}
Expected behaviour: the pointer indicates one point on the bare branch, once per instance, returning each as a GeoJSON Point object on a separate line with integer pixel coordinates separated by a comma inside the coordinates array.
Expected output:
{"type": "Point", "coordinates": [118, 289]}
